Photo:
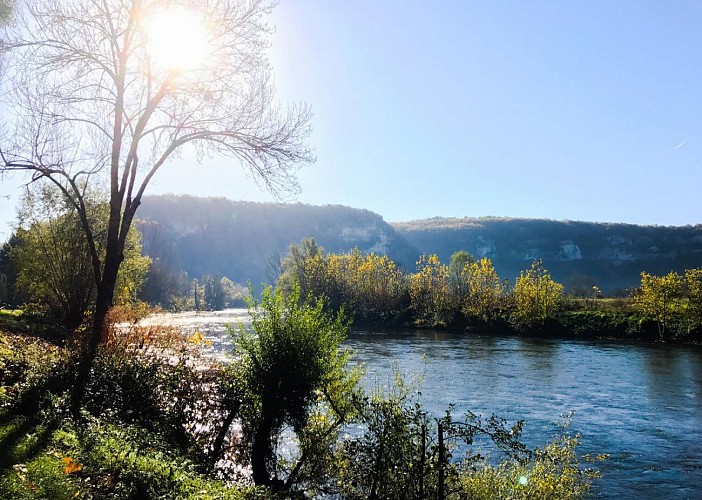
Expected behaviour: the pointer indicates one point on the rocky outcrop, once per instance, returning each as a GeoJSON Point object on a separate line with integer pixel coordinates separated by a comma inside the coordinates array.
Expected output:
{"type": "Point", "coordinates": [240, 240]}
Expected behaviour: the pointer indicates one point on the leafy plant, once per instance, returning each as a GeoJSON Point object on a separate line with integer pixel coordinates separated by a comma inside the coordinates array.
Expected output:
{"type": "Point", "coordinates": [659, 299]}
{"type": "Point", "coordinates": [396, 451]}
{"type": "Point", "coordinates": [554, 471]}
{"type": "Point", "coordinates": [293, 373]}
{"type": "Point", "coordinates": [536, 296]}
{"type": "Point", "coordinates": [485, 293]}
{"type": "Point", "coordinates": [432, 301]}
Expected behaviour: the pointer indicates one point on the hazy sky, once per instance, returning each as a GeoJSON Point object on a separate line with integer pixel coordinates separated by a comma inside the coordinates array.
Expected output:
{"type": "Point", "coordinates": [563, 110]}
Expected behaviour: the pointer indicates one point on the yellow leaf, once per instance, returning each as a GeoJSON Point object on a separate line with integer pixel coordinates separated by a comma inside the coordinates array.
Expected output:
{"type": "Point", "coordinates": [71, 466]}
{"type": "Point", "coordinates": [196, 338]}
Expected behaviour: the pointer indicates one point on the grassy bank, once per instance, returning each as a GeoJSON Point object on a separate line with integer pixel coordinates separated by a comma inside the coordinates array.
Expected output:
{"type": "Point", "coordinates": [128, 443]}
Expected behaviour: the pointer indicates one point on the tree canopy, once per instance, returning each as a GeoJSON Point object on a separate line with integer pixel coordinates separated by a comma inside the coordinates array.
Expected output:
{"type": "Point", "coordinates": [485, 291]}
{"type": "Point", "coordinates": [536, 296]}
{"type": "Point", "coordinates": [96, 102]}
{"type": "Point", "coordinates": [659, 298]}
{"type": "Point", "coordinates": [105, 93]}
{"type": "Point", "coordinates": [293, 368]}
{"type": "Point", "coordinates": [53, 260]}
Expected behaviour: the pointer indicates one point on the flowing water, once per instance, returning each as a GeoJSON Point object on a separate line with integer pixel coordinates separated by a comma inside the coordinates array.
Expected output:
{"type": "Point", "coordinates": [640, 403]}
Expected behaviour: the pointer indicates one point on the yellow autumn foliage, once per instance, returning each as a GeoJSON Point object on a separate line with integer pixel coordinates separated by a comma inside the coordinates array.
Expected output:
{"type": "Point", "coordinates": [536, 296]}
{"type": "Point", "coordinates": [485, 291]}
{"type": "Point", "coordinates": [430, 292]}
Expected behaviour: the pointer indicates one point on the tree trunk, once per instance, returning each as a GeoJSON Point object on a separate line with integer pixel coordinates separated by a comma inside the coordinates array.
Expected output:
{"type": "Point", "coordinates": [261, 449]}
{"type": "Point", "coordinates": [98, 335]}
{"type": "Point", "coordinates": [218, 447]}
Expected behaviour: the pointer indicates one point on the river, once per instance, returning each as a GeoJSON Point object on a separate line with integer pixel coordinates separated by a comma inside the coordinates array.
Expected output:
{"type": "Point", "coordinates": [640, 403]}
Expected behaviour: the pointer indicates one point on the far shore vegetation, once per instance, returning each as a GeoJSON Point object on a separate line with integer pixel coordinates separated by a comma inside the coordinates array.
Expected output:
{"type": "Point", "coordinates": [45, 271]}
{"type": "Point", "coordinates": [467, 294]}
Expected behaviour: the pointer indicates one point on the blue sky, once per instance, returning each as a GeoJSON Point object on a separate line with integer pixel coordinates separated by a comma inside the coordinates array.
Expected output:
{"type": "Point", "coordinates": [561, 110]}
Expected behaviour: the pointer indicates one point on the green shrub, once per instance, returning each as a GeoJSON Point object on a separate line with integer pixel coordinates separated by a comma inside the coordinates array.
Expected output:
{"type": "Point", "coordinates": [556, 471]}
{"type": "Point", "coordinates": [615, 324]}
{"type": "Point", "coordinates": [130, 462]}
{"type": "Point", "coordinates": [43, 477]}
{"type": "Point", "coordinates": [28, 467]}
{"type": "Point", "coordinates": [33, 373]}
{"type": "Point", "coordinates": [292, 373]}
{"type": "Point", "coordinates": [100, 460]}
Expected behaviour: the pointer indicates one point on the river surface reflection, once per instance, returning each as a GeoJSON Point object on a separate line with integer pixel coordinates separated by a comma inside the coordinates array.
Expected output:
{"type": "Point", "coordinates": [640, 403]}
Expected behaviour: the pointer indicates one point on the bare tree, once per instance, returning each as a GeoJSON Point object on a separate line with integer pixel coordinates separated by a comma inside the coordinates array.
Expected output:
{"type": "Point", "coordinates": [274, 267]}
{"type": "Point", "coordinates": [95, 104]}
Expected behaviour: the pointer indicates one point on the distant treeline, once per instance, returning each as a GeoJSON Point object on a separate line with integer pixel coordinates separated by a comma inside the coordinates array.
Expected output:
{"type": "Point", "coordinates": [245, 240]}
{"type": "Point", "coordinates": [578, 254]}
{"type": "Point", "coordinates": [468, 293]}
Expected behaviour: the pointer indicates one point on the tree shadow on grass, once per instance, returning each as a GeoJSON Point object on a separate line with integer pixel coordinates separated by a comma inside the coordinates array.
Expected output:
{"type": "Point", "coordinates": [22, 439]}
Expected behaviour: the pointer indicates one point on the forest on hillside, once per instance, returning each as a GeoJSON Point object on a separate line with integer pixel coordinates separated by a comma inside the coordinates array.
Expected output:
{"type": "Point", "coordinates": [244, 241]}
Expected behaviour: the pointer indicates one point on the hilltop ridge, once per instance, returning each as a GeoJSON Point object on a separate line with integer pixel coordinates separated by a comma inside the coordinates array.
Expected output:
{"type": "Point", "coordinates": [240, 240]}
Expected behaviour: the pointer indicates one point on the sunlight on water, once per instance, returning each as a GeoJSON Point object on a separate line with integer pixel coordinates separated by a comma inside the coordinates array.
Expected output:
{"type": "Point", "coordinates": [213, 325]}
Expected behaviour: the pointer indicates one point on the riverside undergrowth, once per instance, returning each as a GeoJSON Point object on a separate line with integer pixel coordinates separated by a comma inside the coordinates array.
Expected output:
{"type": "Point", "coordinates": [153, 426]}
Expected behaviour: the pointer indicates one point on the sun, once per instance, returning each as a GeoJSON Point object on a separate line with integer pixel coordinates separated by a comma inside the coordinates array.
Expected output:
{"type": "Point", "coordinates": [177, 39]}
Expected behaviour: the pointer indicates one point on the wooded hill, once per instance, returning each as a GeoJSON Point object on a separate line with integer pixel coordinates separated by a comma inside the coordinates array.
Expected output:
{"type": "Point", "coordinates": [578, 254]}
{"type": "Point", "coordinates": [244, 240]}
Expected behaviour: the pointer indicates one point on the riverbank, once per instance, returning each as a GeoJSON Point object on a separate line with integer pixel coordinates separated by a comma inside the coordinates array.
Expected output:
{"type": "Point", "coordinates": [584, 324]}
{"type": "Point", "coordinates": [624, 325]}
{"type": "Point", "coordinates": [147, 422]}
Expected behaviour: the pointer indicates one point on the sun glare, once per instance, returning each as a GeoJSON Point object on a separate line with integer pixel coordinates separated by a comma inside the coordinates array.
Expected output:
{"type": "Point", "coordinates": [177, 39]}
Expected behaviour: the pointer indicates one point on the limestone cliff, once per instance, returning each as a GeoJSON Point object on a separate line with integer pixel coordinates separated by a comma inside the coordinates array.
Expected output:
{"type": "Point", "coordinates": [578, 253]}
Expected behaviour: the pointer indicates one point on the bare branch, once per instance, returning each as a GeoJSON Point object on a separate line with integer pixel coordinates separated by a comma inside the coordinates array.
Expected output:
{"type": "Point", "coordinates": [92, 103]}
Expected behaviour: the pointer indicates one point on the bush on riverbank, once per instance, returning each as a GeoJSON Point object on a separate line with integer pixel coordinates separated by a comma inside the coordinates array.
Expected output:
{"type": "Point", "coordinates": [144, 431]}
{"type": "Point", "coordinates": [554, 472]}
{"type": "Point", "coordinates": [601, 324]}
